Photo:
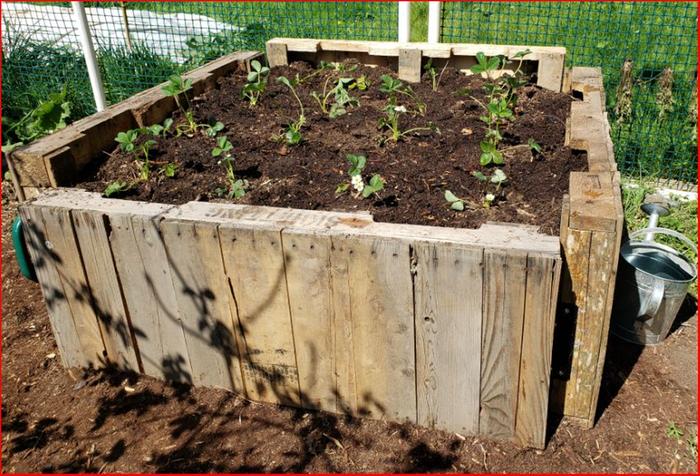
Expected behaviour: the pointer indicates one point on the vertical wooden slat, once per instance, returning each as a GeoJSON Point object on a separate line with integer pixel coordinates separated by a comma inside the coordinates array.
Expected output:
{"type": "Point", "coordinates": [448, 294]}
{"type": "Point", "coordinates": [107, 301]}
{"type": "Point", "coordinates": [536, 354]}
{"type": "Point", "coordinates": [308, 274]}
{"type": "Point", "coordinates": [504, 305]}
{"type": "Point", "coordinates": [142, 265]}
{"type": "Point", "coordinates": [58, 229]}
{"type": "Point", "coordinates": [254, 261]}
{"type": "Point", "coordinates": [204, 303]}
{"type": "Point", "coordinates": [381, 310]}
{"type": "Point", "coordinates": [47, 263]}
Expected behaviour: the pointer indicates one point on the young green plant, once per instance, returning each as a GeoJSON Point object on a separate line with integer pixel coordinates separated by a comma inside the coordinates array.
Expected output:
{"type": "Point", "coordinates": [293, 133]}
{"type": "Point", "coordinates": [236, 187]}
{"type": "Point", "coordinates": [390, 122]}
{"type": "Point", "coordinates": [256, 83]}
{"type": "Point", "coordinates": [177, 87]}
{"type": "Point", "coordinates": [393, 87]}
{"type": "Point", "coordinates": [341, 95]}
{"type": "Point", "coordinates": [362, 188]}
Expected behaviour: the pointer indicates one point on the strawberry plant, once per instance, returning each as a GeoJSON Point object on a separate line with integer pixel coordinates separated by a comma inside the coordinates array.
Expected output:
{"type": "Point", "coordinates": [127, 140]}
{"type": "Point", "coordinates": [341, 94]}
{"type": "Point", "coordinates": [293, 133]}
{"type": "Point", "coordinates": [117, 187]}
{"type": "Point", "coordinates": [177, 87]}
{"type": "Point", "coordinates": [222, 146]}
{"type": "Point", "coordinates": [362, 188]}
{"type": "Point", "coordinates": [256, 83]}
{"type": "Point", "coordinates": [390, 121]}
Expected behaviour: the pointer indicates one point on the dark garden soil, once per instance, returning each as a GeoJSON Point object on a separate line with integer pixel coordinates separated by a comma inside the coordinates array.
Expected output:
{"type": "Point", "coordinates": [417, 169]}
{"type": "Point", "coordinates": [66, 421]}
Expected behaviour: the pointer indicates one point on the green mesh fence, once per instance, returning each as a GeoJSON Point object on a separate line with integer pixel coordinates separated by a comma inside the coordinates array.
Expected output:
{"type": "Point", "coordinates": [655, 136]}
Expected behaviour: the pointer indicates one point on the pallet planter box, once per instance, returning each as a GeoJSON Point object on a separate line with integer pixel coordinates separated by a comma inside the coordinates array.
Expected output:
{"type": "Point", "coordinates": [448, 328]}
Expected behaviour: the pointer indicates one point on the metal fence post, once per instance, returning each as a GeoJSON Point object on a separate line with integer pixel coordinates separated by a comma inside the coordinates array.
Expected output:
{"type": "Point", "coordinates": [404, 22]}
{"type": "Point", "coordinates": [89, 54]}
{"type": "Point", "coordinates": [434, 14]}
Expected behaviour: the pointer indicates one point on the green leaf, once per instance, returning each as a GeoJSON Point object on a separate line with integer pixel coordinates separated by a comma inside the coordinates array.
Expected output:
{"type": "Point", "coordinates": [357, 162]}
{"type": "Point", "coordinates": [216, 151]}
{"type": "Point", "coordinates": [284, 81]}
{"type": "Point", "coordinates": [451, 197]}
{"type": "Point", "coordinates": [522, 53]}
{"type": "Point", "coordinates": [480, 176]}
{"type": "Point", "coordinates": [115, 188]}
{"type": "Point", "coordinates": [497, 157]}
{"type": "Point", "coordinates": [292, 137]}
{"type": "Point", "coordinates": [336, 111]}
{"type": "Point", "coordinates": [498, 176]}
{"type": "Point", "coordinates": [458, 205]}
{"type": "Point", "coordinates": [169, 170]}
{"type": "Point", "coordinates": [342, 188]}
{"type": "Point", "coordinates": [534, 145]}
{"type": "Point", "coordinates": [376, 183]}
{"type": "Point", "coordinates": [255, 64]}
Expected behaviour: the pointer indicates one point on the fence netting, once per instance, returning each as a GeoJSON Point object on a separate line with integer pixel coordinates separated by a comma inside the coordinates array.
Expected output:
{"type": "Point", "coordinates": [653, 114]}
{"type": "Point", "coordinates": [140, 44]}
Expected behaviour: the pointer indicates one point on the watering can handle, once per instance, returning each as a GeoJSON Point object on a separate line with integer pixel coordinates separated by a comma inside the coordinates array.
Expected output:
{"type": "Point", "coordinates": [653, 303]}
{"type": "Point", "coordinates": [665, 231]}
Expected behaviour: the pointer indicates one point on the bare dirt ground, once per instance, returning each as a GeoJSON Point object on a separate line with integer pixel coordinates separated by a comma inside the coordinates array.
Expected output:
{"type": "Point", "coordinates": [54, 420]}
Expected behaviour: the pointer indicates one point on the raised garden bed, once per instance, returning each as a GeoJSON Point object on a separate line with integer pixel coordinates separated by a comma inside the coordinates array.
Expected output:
{"type": "Point", "coordinates": [380, 314]}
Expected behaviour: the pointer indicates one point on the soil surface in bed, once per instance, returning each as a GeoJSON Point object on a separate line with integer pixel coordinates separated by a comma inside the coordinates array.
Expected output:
{"type": "Point", "coordinates": [417, 169]}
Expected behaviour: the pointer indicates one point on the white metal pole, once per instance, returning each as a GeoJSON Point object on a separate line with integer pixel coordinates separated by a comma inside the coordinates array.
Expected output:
{"type": "Point", "coordinates": [434, 14]}
{"type": "Point", "coordinates": [404, 22]}
{"type": "Point", "coordinates": [89, 54]}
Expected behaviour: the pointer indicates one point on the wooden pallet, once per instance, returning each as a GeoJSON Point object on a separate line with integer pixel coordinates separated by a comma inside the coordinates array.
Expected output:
{"type": "Point", "coordinates": [448, 328]}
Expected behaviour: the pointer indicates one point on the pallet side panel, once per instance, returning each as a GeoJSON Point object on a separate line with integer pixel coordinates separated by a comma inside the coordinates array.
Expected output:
{"type": "Point", "coordinates": [535, 361]}
{"type": "Point", "coordinates": [142, 265]}
{"type": "Point", "coordinates": [502, 328]}
{"type": "Point", "coordinates": [204, 303]}
{"type": "Point", "coordinates": [254, 262]}
{"type": "Point", "coordinates": [382, 324]}
{"type": "Point", "coordinates": [106, 296]}
{"type": "Point", "coordinates": [591, 238]}
{"type": "Point", "coordinates": [448, 302]}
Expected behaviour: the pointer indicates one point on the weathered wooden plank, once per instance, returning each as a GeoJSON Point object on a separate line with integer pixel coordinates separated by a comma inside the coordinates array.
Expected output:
{"type": "Point", "coordinates": [106, 297]}
{"type": "Point", "coordinates": [254, 262]}
{"type": "Point", "coordinates": [592, 201]}
{"type": "Point", "coordinates": [308, 275]}
{"type": "Point", "coordinates": [46, 264]}
{"type": "Point", "coordinates": [61, 239]}
{"type": "Point", "coordinates": [410, 64]}
{"type": "Point", "coordinates": [550, 71]}
{"type": "Point", "coordinates": [142, 265]}
{"type": "Point", "coordinates": [204, 302]}
{"type": "Point", "coordinates": [448, 309]}
{"type": "Point", "coordinates": [502, 327]}
{"type": "Point", "coordinates": [276, 53]}
{"type": "Point", "coordinates": [381, 312]}
{"type": "Point", "coordinates": [590, 340]}
{"type": "Point", "coordinates": [536, 354]}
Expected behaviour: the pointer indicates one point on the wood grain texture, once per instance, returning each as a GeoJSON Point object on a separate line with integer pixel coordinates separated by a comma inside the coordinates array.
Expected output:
{"type": "Point", "coordinates": [308, 277]}
{"type": "Point", "coordinates": [254, 262]}
{"type": "Point", "coordinates": [448, 300]}
{"type": "Point", "coordinates": [410, 65]}
{"type": "Point", "coordinates": [381, 312]}
{"type": "Point", "coordinates": [106, 296]}
{"type": "Point", "coordinates": [205, 306]}
{"type": "Point", "coordinates": [504, 306]}
{"type": "Point", "coordinates": [142, 265]}
{"type": "Point", "coordinates": [536, 353]}
{"type": "Point", "coordinates": [61, 240]}
{"type": "Point", "coordinates": [47, 264]}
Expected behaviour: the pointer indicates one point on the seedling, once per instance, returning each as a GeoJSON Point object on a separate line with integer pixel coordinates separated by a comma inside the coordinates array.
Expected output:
{"type": "Point", "coordinates": [127, 140]}
{"type": "Point", "coordinates": [390, 121]}
{"type": "Point", "coordinates": [293, 133]}
{"type": "Point", "coordinates": [177, 87]}
{"type": "Point", "coordinates": [342, 98]}
{"type": "Point", "coordinates": [434, 77]}
{"type": "Point", "coordinates": [393, 87]}
{"type": "Point", "coordinates": [257, 82]}
{"type": "Point", "coordinates": [169, 170]}
{"type": "Point", "coordinates": [116, 187]}
{"type": "Point", "coordinates": [145, 168]}
{"type": "Point", "coordinates": [490, 154]}
{"type": "Point", "coordinates": [236, 187]}
{"type": "Point", "coordinates": [213, 129]}
{"type": "Point", "coordinates": [672, 431]}
{"type": "Point", "coordinates": [534, 146]}
{"type": "Point", "coordinates": [498, 178]}
{"type": "Point", "coordinates": [222, 146]}
{"type": "Point", "coordinates": [455, 202]}
{"type": "Point", "coordinates": [365, 189]}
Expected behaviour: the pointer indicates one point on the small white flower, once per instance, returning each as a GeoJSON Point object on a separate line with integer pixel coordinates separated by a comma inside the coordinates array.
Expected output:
{"type": "Point", "coordinates": [490, 197]}
{"type": "Point", "coordinates": [357, 182]}
{"type": "Point", "coordinates": [400, 108]}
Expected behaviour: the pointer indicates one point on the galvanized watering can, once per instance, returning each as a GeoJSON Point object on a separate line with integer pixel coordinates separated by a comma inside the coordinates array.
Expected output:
{"type": "Point", "coordinates": [653, 282]}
